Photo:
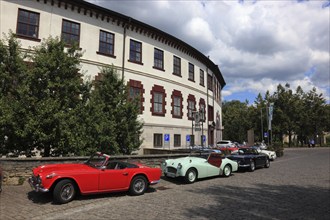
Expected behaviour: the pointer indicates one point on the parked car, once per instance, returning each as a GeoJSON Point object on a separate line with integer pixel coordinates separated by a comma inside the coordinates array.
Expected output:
{"type": "Point", "coordinates": [193, 168]}
{"type": "Point", "coordinates": [98, 174]}
{"type": "Point", "coordinates": [271, 154]}
{"type": "Point", "coordinates": [250, 158]}
{"type": "Point", "coordinates": [227, 145]}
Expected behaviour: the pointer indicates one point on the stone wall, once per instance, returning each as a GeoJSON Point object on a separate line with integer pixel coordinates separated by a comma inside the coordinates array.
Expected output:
{"type": "Point", "coordinates": [17, 170]}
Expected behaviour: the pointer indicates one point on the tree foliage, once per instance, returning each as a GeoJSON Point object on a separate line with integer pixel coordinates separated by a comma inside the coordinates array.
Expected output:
{"type": "Point", "coordinates": [237, 120]}
{"type": "Point", "coordinates": [298, 115]}
{"type": "Point", "coordinates": [45, 104]}
{"type": "Point", "coordinates": [116, 116]}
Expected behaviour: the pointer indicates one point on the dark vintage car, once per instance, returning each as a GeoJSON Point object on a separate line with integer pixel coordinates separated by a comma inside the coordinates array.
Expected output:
{"type": "Point", "coordinates": [250, 158]}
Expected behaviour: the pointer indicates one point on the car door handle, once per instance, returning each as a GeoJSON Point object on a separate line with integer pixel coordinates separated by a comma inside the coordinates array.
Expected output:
{"type": "Point", "coordinates": [125, 174]}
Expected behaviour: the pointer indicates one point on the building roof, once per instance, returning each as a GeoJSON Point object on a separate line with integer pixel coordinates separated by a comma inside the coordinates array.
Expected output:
{"type": "Point", "coordinates": [143, 28]}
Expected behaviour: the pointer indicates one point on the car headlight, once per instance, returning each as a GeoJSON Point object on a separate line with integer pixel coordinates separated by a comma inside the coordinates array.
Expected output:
{"type": "Point", "coordinates": [179, 166]}
{"type": "Point", "coordinates": [49, 176]}
{"type": "Point", "coordinates": [164, 163]}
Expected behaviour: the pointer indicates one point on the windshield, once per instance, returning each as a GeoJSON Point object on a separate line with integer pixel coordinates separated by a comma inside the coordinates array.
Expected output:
{"type": "Point", "coordinates": [96, 160]}
{"type": "Point", "coordinates": [246, 151]}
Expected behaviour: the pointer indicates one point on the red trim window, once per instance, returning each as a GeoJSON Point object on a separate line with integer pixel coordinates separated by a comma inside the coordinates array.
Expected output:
{"type": "Point", "coordinates": [135, 52]}
{"type": "Point", "coordinates": [191, 107]}
{"type": "Point", "coordinates": [27, 24]}
{"type": "Point", "coordinates": [158, 59]}
{"type": "Point", "coordinates": [209, 82]}
{"type": "Point", "coordinates": [191, 72]}
{"type": "Point", "coordinates": [202, 108]}
{"type": "Point", "coordinates": [70, 32]}
{"type": "Point", "coordinates": [177, 104]}
{"type": "Point", "coordinates": [176, 66]}
{"type": "Point", "coordinates": [158, 103]}
{"type": "Point", "coordinates": [106, 43]}
{"type": "Point", "coordinates": [201, 77]}
{"type": "Point", "coordinates": [136, 91]}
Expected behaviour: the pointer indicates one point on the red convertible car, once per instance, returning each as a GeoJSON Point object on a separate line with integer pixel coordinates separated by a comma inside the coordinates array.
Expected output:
{"type": "Point", "coordinates": [98, 174]}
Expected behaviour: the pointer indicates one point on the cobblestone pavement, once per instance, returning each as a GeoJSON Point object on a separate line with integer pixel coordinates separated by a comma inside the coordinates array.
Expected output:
{"type": "Point", "coordinates": [296, 186]}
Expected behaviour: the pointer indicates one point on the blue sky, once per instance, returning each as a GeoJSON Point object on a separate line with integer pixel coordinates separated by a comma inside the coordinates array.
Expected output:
{"type": "Point", "coordinates": [257, 44]}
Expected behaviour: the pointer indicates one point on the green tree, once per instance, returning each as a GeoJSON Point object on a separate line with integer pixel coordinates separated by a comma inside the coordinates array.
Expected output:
{"type": "Point", "coordinates": [236, 120]}
{"type": "Point", "coordinates": [115, 125]}
{"type": "Point", "coordinates": [315, 106]}
{"type": "Point", "coordinates": [56, 91]}
{"type": "Point", "coordinates": [13, 97]}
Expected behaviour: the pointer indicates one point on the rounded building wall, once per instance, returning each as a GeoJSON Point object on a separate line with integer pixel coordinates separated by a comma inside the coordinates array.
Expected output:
{"type": "Point", "coordinates": [150, 79]}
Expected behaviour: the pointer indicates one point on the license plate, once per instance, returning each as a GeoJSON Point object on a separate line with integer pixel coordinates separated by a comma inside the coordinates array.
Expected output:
{"type": "Point", "coordinates": [171, 175]}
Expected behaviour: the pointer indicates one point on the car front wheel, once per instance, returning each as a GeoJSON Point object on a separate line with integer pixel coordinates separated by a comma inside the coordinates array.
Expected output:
{"type": "Point", "coordinates": [138, 186]}
{"type": "Point", "coordinates": [226, 171]}
{"type": "Point", "coordinates": [252, 166]}
{"type": "Point", "coordinates": [191, 175]}
{"type": "Point", "coordinates": [267, 164]}
{"type": "Point", "coordinates": [64, 191]}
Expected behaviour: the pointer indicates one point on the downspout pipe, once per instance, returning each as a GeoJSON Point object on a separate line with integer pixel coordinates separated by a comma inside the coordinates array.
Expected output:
{"type": "Point", "coordinates": [124, 49]}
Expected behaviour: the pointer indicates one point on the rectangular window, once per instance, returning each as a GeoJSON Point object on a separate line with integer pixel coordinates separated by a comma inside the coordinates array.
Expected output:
{"type": "Point", "coordinates": [28, 23]}
{"type": "Point", "coordinates": [158, 140]}
{"type": "Point", "coordinates": [158, 102]}
{"type": "Point", "coordinates": [177, 140]}
{"type": "Point", "coordinates": [202, 107]}
{"type": "Point", "coordinates": [177, 106]}
{"type": "Point", "coordinates": [209, 82]}
{"type": "Point", "coordinates": [135, 94]}
{"type": "Point", "coordinates": [201, 77]}
{"type": "Point", "coordinates": [191, 72]}
{"type": "Point", "coordinates": [106, 44]}
{"type": "Point", "coordinates": [176, 66]}
{"type": "Point", "coordinates": [191, 108]}
{"type": "Point", "coordinates": [158, 59]}
{"type": "Point", "coordinates": [210, 113]}
{"type": "Point", "coordinates": [70, 32]}
{"type": "Point", "coordinates": [135, 54]}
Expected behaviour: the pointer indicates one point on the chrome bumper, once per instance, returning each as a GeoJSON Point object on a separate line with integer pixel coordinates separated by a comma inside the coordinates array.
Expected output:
{"type": "Point", "coordinates": [243, 165]}
{"type": "Point", "coordinates": [154, 182]}
{"type": "Point", "coordinates": [36, 186]}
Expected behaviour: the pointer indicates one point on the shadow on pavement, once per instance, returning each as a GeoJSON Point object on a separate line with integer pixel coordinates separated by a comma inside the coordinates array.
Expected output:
{"type": "Point", "coordinates": [266, 202]}
{"type": "Point", "coordinates": [44, 198]}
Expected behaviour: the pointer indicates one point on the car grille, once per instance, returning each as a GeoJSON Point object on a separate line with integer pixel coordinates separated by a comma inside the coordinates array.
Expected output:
{"type": "Point", "coordinates": [36, 179]}
{"type": "Point", "coordinates": [171, 169]}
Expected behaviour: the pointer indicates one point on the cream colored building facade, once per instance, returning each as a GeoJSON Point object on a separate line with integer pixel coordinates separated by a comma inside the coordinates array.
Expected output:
{"type": "Point", "coordinates": [172, 79]}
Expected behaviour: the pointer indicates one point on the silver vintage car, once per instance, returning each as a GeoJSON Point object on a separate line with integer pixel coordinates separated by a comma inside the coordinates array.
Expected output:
{"type": "Point", "coordinates": [193, 168]}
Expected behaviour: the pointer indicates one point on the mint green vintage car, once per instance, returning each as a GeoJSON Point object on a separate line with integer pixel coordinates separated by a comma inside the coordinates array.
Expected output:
{"type": "Point", "coordinates": [193, 168]}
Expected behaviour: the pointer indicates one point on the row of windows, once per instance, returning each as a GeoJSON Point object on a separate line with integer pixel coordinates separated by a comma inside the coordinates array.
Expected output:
{"type": "Point", "coordinates": [158, 139]}
{"type": "Point", "coordinates": [158, 95]}
{"type": "Point", "coordinates": [28, 27]}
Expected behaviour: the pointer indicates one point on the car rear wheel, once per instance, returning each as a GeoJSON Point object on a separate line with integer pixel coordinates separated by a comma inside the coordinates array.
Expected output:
{"type": "Point", "coordinates": [252, 166]}
{"type": "Point", "coordinates": [191, 175]}
{"type": "Point", "coordinates": [227, 171]}
{"type": "Point", "coordinates": [64, 191]}
{"type": "Point", "coordinates": [267, 164]}
{"type": "Point", "coordinates": [138, 186]}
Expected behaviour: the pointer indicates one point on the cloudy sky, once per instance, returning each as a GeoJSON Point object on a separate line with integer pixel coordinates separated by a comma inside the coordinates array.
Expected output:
{"type": "Point", "coordinates": [257, 44]}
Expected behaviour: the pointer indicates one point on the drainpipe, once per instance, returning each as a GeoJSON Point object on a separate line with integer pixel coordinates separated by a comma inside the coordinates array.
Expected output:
{"type": "Point", "coordinates": [124, 48]}
{"type": "Point", "coordinates": [207, 108]}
